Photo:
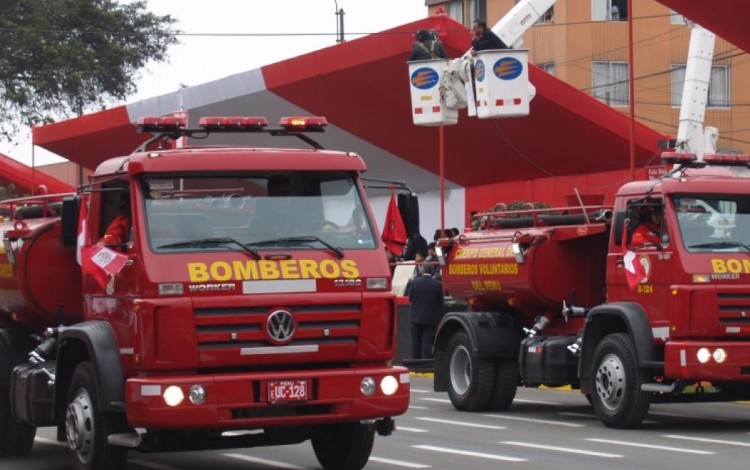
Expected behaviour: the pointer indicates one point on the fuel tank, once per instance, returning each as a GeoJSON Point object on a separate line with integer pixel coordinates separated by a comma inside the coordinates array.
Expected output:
{"type": "Point", "coordinates": [38, 275]}
{"type": "Point", "coordinates": [547, 265]}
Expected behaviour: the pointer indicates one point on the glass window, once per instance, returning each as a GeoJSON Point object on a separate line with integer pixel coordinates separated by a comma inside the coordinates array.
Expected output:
{"type": "Point", "coordinates": [257, 210]}
{"type": "Point", "coordinates": [456, 10]}
{"type": "Point", "coordinates": [548, 67]}
{"type": "Point", "coordinates": [713, 223]}
{"type": "Point", "coordinates": [610, 83]}
{"type": "Point", "coordinates": [476, 9]}
{"type": "Point", "coordinates": [718, 86]}
{"type": "Point", "coordinates": [609, 10]}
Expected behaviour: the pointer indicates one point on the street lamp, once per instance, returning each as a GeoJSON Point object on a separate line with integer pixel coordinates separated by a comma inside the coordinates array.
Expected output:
{"type": "Point", "coordinates": [339, 22]}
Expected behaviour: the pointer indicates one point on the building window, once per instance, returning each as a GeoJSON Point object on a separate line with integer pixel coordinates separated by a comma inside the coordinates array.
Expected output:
{"type": "Point", "coordinates": [676, 18]}
{"type": "Point", "coordinates": [455, 9]}
{"type": "Point", "coordinates": [609, 10]}
{"type": "Point", "coordinates": [476, 9]}
{"type": "Point", "coordinates": [610, 83]}
{"type": "Point", "coordinates": [548, 67]}
{"type": "Point", "coordinates": [718, 86]}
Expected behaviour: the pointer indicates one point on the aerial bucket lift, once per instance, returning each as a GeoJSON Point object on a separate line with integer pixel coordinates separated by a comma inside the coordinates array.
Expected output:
{"type": "Point", "coordinates": [502, 85]}
{"type": "Point", "coordinates": [427, 95]}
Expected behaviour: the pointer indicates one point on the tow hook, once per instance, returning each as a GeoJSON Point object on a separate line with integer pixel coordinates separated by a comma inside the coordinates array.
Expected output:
{"type": "Point", "coordinates": [385, 426]}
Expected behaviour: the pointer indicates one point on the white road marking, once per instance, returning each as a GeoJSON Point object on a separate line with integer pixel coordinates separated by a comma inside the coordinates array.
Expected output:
{"type": "Point", "coordinates": [538, 421]}
{"type": "Point", "coordinates": [155, 466]}
{"type": "Point", "coordinates": [416, 390]}
{"type": "Point", "coordinates": [471, 453]}
{"type": "Point", "coordinates": [710, 441]}
{"type": "Point", "coordinates": [461, 423]}
{"type": "Point", "coordinates": [678, 415]}
{"type": "Point", "coordinates": [271, 463]}
{"type": "Point", "coordinates": [536, 402]}
{"type": "Point", "coordinates": [417, 407]}
{"type": "Point", "coordinates": [399, 463]}
{"type": "Point", "coordinates": [561, 449]}
{"type": "Point", "coordinates": [401, 428]}
{"type": "Point", "coordinates": [651, 446]}
{"type": "Point", "coordinates": [52, 442]}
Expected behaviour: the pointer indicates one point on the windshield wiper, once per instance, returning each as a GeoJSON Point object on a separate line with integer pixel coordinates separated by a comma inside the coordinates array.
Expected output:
{"type": "Point", "coordinates": [725, 244]}
{"type": "Point", "coordinates": [301, 239]}
{"type": "Point", "coordinates": [204, 242]}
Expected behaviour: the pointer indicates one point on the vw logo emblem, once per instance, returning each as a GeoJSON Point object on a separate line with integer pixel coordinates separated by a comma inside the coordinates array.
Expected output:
{"type": "Point", "coordinates": [280, 326]}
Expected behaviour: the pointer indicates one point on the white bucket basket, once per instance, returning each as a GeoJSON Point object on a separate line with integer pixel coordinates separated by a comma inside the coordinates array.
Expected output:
{"type": "Point", "coordinates": [501, 79]}
{"type": "Point", "coordinates": [427, 106]}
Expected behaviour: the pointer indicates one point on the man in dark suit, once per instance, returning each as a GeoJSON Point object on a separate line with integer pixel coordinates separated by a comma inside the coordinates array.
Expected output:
{"type": "Point", "coordinates": [426, 299]}
{"type": "Point", "coordinates": [483, 38]}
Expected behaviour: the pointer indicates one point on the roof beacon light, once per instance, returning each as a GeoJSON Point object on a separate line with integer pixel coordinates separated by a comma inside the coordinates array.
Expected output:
{"type": "Point", "coordinates": [727, 160]}
{"type": "Point", "coordinates": [160, 123]}
{"type": "Point", "coordinates": [240, 123]}
{"type": "Point", "coordinates": [310, 123]}
{"type": "Point", "coordinates": [676, 158]}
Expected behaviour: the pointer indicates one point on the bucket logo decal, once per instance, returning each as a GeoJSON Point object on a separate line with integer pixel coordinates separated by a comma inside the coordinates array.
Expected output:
{"type": "Point", "coordinates": [508, 68]}
{"type": "Point", "coordinates": [479, 70]}
{"type": "Point", "coordinates": [425, 78]}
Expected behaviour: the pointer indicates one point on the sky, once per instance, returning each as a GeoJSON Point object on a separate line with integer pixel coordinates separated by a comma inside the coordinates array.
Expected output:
{"type": "Point", "coordinates": [224, 37]}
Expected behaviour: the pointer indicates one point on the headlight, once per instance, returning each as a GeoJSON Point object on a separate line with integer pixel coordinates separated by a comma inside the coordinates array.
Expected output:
{"type": "Point", "coordinates": [720, 355]}
{"type": "Point", "coordinates": [197, 394]}
{"type": "Point", "coordinates": [173, 395]}
{"type": "Point", "coordinates": [389, 385]}
{"type": "Point", "coordinates": [367, 386]}
{"type": "Point", "coordinates": [703, 355]}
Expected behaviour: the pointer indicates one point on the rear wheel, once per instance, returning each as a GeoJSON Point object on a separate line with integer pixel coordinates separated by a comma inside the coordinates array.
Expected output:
{"type": "Point", "coordinates": [87, 426]}
{"type": "Point", "coordinates": [506, 384]}
{"type": "Point", "coordinates": [617, 398]}
{"type": "Point", "coordinates": [16, 438]}
{"type": "Point", "coordinates": [344, 446]}
{"type": "Point", "coordinates": [471, 380]}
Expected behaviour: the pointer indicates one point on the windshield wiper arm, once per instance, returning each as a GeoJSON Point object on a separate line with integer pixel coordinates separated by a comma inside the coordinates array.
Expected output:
{"type": "Point", "coordinates": [200, 242]}
{"type": "Point", "coordinates": [304, 238]}
{"type": "Point", "coordinates": [725, 244]}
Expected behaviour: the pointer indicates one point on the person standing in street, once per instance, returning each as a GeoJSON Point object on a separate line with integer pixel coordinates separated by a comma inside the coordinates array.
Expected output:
{"type": "Point", "coordinates": [426, 299]}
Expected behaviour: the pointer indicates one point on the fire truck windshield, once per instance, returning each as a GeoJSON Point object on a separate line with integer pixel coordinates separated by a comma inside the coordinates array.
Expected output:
{"type": "Point", "coordinates": [712, 222]}
{"type": "Point", "coordinates": [254, 209]}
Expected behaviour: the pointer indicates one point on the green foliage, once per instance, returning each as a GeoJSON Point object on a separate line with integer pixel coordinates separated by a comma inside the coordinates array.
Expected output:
{"type": "Point", "coordinates": [7, 191]}
{"type": "Point", "coordinates": [60, 58]}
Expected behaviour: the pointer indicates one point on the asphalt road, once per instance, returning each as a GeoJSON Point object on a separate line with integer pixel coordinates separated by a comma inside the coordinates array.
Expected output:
{"type": "Point", "coordinates": [544, 429]}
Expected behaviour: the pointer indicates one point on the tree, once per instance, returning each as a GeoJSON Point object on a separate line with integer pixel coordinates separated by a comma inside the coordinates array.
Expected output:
{"type": "Point", "coordinates": [60, 58]}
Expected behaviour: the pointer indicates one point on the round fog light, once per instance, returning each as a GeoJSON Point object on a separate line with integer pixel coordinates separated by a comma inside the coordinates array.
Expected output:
{"type": "Point", "coordinates": [703, 355]}
{"type": "Point", "coordinates": [720, 355]}
{"type": "Point", "coordinates": [367, 387]}
{"type": "Point", "coordinates": [197, 394]}
{"type": "Point", "coordinates": [173, 395]}
{"type": "Point", "coordinates": [389, 385]}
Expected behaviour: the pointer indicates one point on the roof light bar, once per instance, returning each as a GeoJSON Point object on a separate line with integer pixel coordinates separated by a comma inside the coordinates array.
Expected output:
{"type": "Point", "coordinates": [240, 123]}
{"type": "Point", "coordinates": [160, 123]}
{"type": "Point", "coordinates": [676, 158]}
{"type": "Point", "coordinates": [310, 123]}
{"type": "Point", "coordinates": [727, 160]}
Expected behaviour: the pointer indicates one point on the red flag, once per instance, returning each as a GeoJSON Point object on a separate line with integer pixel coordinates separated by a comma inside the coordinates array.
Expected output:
{"type": "Point", "coordinates": [394, 232]}
{"type": "Point", "coordinates": [635, 273]}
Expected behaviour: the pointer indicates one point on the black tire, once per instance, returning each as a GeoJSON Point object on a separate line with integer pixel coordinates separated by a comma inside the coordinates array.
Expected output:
{"type": "Point", "coordinates": [87, 426]}
{"type": "Point", "coordinates": [506, 384]}
{"type": "Point", "coordinates": [16, 438]}
{"type": "Point", "coordinates": [344, 446]}
{"type": "Point", "coordinates": [471, 381]}
{"type": "Point", "coordinates": [617, 396]}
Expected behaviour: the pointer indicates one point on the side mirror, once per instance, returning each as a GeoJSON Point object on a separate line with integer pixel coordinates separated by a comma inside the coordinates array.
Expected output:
{"type": "Point", "coordinates": [69, 220]}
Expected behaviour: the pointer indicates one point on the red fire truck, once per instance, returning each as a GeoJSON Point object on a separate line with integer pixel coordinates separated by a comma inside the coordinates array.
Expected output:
{"type": "Point", "coordinates": [238, 288]}
{"type": "Point", "coordinates": [564, 297]}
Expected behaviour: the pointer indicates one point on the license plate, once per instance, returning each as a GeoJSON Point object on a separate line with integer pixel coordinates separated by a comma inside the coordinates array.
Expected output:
{"type": "Point", "coordinates": [287, 390]}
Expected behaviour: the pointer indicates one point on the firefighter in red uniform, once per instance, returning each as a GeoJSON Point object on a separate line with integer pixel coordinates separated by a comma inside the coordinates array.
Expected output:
{"type": "Point", "coordinates": [118, 230]}
{"type": "Point", "coordinates": [649, 231]}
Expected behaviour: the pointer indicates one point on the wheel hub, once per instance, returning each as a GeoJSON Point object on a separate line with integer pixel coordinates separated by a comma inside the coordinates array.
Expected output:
{"type": "Point", "coordinates": [611, 382]}
{"type": "Point", "coordinates": [79, 425]}
{"type": "Point", "coordinates": [460, 370]}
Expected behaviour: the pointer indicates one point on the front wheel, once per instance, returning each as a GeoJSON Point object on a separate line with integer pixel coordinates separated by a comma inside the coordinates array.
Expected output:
{"type": "Point", "coordinates": [87, 426]}
{"type": "Point", "coordinates": [471, 380]}
{"type": "Point", "coordinates": [617, 398]}
{"type": "Point", "coordinates": [344, 446]}
{"type": "Point", "coordinates": [16, 438]}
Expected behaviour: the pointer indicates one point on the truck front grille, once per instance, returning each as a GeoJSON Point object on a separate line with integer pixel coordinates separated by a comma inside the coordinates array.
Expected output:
{"type": "Point", "coordinates": [734, 308]}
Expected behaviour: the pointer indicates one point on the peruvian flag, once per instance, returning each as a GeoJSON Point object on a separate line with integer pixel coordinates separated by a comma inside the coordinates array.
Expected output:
{"type": "Point", "coordinates": [394, 231]}
{"type": "Point", "coordinates": [635, 273]}
{"type": "Point", "coordinates": [96, 261]}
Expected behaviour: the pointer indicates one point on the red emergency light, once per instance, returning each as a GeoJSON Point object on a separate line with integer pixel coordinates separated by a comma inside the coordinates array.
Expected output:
{"type": "Point", "coordinates": [233, 123]}
{"type": "Point", "coordinates": [310, 123]}
{"type": "Point", "coordinates": [160, 123]}
{"type": "Point", "coordinates": [677, 158]}
{"type": "Point", "coordinates": [727, 159]}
